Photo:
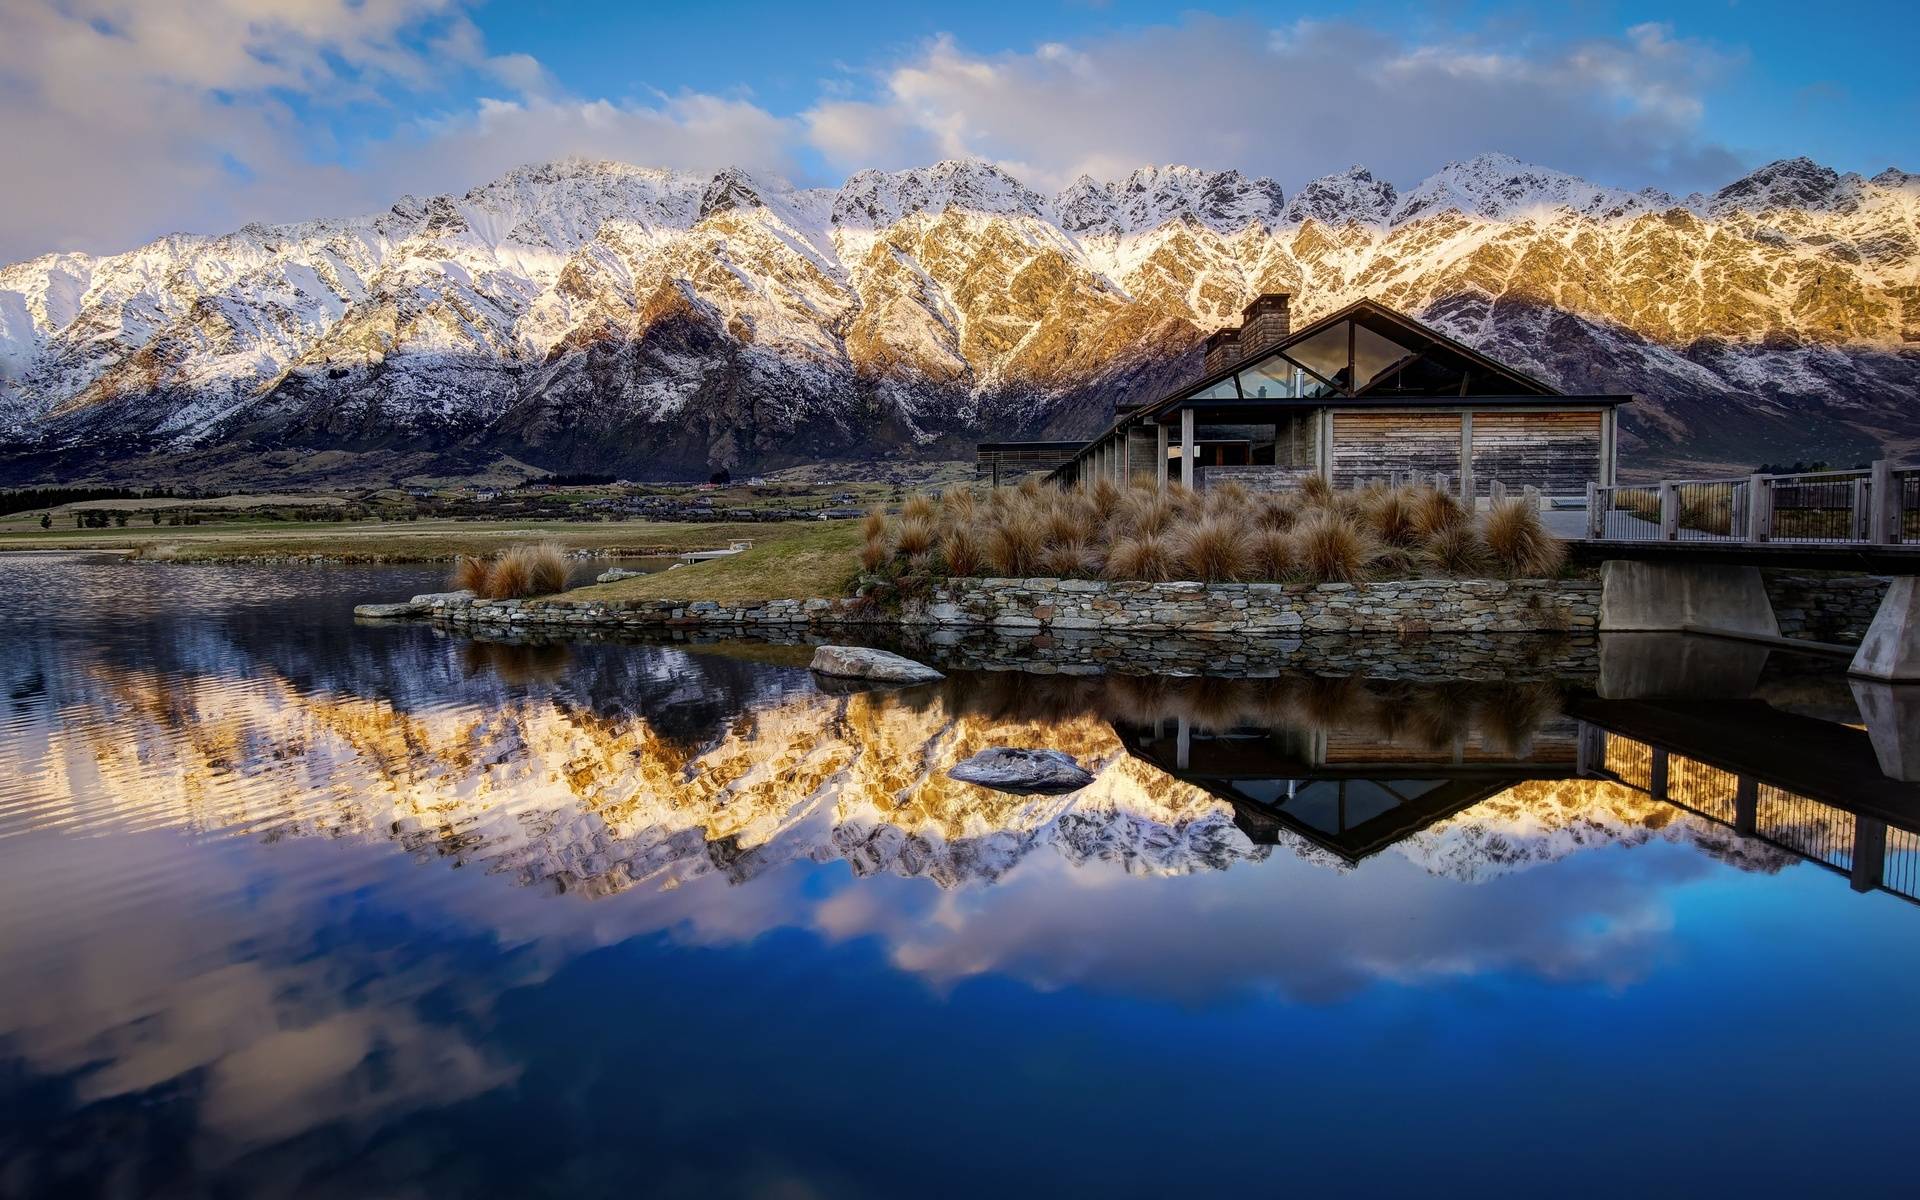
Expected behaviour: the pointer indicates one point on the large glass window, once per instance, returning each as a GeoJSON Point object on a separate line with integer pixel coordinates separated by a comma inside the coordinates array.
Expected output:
{"type": "Point", "coordinates": [1224, 390]}
{"type": "Point", "coordinates": [1272, 378]}
{"type": "Point", "coordinates": [1373, 354]}
{"type": "Point", "coordinates": [1325, 354]}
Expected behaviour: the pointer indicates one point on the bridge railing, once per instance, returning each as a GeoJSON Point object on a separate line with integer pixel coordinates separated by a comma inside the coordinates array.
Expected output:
{"type": "Point", "coordinates": [1879, 505]}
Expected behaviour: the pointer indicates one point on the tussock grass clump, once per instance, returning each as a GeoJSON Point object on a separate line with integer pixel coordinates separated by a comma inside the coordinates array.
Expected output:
{"type": "Point", "coordinates": [1332, 548]}
{"type": "Point", "coordinates": [1015, 543]}
{"type": "Point", "coordinates": [1458, 550]}
{"type": "Point", "coordinates": [470, 574]}
{"type": "Point", "coordinates": [537, 569]}
{"type": "Point", "coordinates": [1213, 549]}
{"type": "Point", "coordinates": [1145, 557]}
{"type": "Point", "coordinates": [1519, 543]}
{"type": "Point", "coordinates": [1271, 556]}
{"type": "Point", "coordinates": [1226, 534]}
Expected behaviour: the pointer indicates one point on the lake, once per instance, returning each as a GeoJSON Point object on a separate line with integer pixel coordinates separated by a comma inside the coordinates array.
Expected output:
{"type": "Point", "coordinates": [296, 906]}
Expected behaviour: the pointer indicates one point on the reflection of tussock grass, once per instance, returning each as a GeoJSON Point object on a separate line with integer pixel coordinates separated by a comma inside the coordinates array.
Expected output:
{"type": "Point", "coordinates": [518, 663]}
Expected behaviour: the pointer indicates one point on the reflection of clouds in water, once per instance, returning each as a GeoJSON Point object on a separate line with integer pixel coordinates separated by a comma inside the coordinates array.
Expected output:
{"type": "Point", "coordinates": [231, 966]}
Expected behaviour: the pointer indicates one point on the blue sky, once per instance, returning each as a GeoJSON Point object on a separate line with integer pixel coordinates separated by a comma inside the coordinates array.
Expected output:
{"type": "Point", "coordinates": [125, 119]}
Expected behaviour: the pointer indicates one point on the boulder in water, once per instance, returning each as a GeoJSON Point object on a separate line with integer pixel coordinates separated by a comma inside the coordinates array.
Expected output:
{"type": "Point", "coordinates": [1023, 772]}
{"type": "Point", "coordinates": [880, 666]}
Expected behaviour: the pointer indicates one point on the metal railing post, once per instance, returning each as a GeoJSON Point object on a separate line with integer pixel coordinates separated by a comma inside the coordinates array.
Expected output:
{"type": "Point", "coordinates": [1596, 520]}
{"type": "Point", "coordinates": [1869, 853]}
{"type": "Point", "coordinates": [1883, 517]}
{"type": "Point", "coordinates": [1859, 519]}
{"type": "Point", "coordinates": [1669, 511]}
{"type": "Point", "coordinates": [1759, 507]}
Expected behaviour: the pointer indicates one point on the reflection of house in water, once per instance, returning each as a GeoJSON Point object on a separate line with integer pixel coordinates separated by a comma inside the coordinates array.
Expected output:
{"type": "Point", "coordinates": [1350, 793]}
{"type": "Point", "coordinates": [1808, 786]}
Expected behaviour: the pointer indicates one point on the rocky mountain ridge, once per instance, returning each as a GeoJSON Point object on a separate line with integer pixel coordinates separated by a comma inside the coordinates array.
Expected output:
{"type": "Point", "coordinates": [598, 315]}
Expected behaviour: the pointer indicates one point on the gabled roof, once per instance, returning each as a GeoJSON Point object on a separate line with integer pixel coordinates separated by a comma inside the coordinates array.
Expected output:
{"type": "Point", "coordinates": [1416, 336]}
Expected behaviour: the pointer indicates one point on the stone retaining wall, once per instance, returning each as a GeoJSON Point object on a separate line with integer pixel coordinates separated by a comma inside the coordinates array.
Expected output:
{"type": "Point", "coordinates": [1400, 607]}
{"type": "Point", "coordinates": [1824, 608]}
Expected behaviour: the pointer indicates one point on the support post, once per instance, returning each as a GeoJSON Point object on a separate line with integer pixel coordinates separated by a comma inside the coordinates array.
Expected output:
{"type": "Point", "coordinates": [1883, 520]}
{"type": "Point", "coordinates": [1496, 491]}
{"type": "Point", "coordinates": [1186, 447]}
{"type": "Point", "coordinates": [1669, 510]}
{"type": "Point", "coordinates": [1658, 766]}
{"type": "Point", "coordinates": [1759, 508]}
{"type": "Point", "coordinates": [1126, 459]}
{"type": "Point", "coordinates": [1160, 472]}
{"type": "Point", "coordinates": [1869, 853]}
{"type": "Point", "coordinates": [1596, 520]}
{"type": "Point", "coordinates": [1466, 459]}
{"type": "Point", "coordinates": [1862, 519]}
{"type": "Point", "coordinates": [1746, 806]}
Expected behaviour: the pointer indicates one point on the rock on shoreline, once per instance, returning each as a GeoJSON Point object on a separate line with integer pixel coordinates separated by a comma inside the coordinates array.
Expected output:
{"type": "Point", "coordinates": [859, 662]}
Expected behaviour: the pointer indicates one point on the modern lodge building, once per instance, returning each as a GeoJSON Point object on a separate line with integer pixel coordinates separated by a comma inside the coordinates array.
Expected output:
{"type": "Point", "coordinates": [1363, 393]}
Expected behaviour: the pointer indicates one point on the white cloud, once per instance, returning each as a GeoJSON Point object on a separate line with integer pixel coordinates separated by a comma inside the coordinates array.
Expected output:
{"type": "Point", "coordinates": [1295, 102]}
{"type": "Point", "coordinates": [126, 119]}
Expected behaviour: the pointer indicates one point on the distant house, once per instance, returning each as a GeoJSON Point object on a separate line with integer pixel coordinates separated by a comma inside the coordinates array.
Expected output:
{"type": "Point", "coordinates": [1364, 393]}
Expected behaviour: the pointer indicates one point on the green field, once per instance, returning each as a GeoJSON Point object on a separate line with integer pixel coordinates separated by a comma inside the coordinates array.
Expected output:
{"type": "Point", "coordinates": [426, 540]}
{"type": "Point", "coordinates": [796, 562]}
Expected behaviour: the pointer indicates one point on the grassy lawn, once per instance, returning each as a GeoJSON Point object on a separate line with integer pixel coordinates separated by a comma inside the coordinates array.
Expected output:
{"type": "Point", "coordinates": [397, 541]}
{"type": "Point", "coordinates": [795, 561]}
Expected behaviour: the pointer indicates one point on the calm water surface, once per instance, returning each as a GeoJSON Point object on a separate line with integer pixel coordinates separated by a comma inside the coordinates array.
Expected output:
{"type": "Point", "coordinates": [290, 906]}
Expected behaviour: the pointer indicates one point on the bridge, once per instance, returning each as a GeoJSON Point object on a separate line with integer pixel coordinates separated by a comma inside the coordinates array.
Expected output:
{"type": "Point", "coordinates": [1686, 554]}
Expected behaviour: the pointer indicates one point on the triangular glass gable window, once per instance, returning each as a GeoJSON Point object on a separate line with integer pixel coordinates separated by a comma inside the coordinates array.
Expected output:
{"type": "Point", "coordinates": [1325, 354]}
{"type": "Point", "coordinates": [1224, 390]}
{"type": "Point", "coordinates": [1373, 354]}
{"type": "Point", "coordinates": [1272, 378]}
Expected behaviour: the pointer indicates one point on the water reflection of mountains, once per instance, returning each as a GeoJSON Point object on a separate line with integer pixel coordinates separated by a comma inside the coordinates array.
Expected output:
{"type": "Point", "coordinates": [599, 768]}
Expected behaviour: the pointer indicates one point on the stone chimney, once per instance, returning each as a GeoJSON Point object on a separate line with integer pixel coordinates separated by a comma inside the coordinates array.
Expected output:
{"type": "Point", "coordinates": [1265, 323]}
{"type": "Point", "coordinates": [1223, 350]}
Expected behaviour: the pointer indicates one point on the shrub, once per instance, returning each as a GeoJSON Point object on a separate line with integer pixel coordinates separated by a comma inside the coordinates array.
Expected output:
{"type": "Point", "coordinates": [1390, 515]}
{"type": "Point", "coordinates": [1069, 522]}
{"type": "Point", "coordinates": [1276, 510]}
{"type": "Point", "coordinates": [1271, 555]}
{"type": "Point", "coordinates": [1065, 560]}
{"type": "Point", "coordinates": [1519, 543]}
{"type": "Point", "coordinates": [1457, 550]}
{"type": "Point", "coordinates": [532, 570]}
{"type": "Point", "coordinates": [919, 507]}
{"type": "Point", "coordinates": [1014, 545]}
{"type": "Point", "coordinates": [874, 553]}
{"type": "Point", "coordinates": [1435, 510]}
{"type": "Point", "coordinates": [470, 574]}
{"type": "Point", "coordinates": [915, 535]}
{"type": "Point", "coordinates": [1331, 548]}
{"type": "Point", "coordinates": [873, 526]}
{"type": "Point", "coordinates": [1145, 558]}
{"type": "Point", "coordinates": [958, 506]}
{"type": "Point", "coordinates": [1315, 490]}
{"type": "Point", "coordinates": [1212, 549]}
{"type": "Point", "coordinates": [960, 547]}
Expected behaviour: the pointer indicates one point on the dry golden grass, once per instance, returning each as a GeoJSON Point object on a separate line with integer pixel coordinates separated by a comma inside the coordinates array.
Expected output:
{"type": "Point", "coordinates": [1227, 534]}
{"type": "Point", "coordinates": [1519, 542]}
{"type": "Point", "coordinates": [1145, 557]}
{"type": "Point", "coordinates": [1332, 548]}
{"type": "Point", "coordinates": [470, 574]}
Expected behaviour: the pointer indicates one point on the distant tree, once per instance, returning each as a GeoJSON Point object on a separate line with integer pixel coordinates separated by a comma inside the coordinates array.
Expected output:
{"type": "Point", "coordinates": [46, 520]}
{"type": "Point", "coordinates": [156, 516]}
{"type": "Point", "coordinates": [720, 477]}
{"type": "Point", "coordinates": [120, 519]}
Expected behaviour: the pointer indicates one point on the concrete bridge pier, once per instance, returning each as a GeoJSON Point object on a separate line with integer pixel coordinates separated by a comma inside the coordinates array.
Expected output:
{"type": "Point", "coordinates": [1645, 596]}
{"type": "Point", "coordinates": [1891, 649]}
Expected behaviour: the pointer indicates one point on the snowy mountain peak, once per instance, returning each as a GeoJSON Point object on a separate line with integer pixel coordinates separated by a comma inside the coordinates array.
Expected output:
{"type": "Point", "coordinates": [1790, 183]}
{"type": "Point", "coordinates": [1226, 201]}
{"type": "Point", "coordinates": [878, 198]}
{"type": "Point", "coordinates": [1500, 187]}
{"type": "Point", "coordinates": [1352, 195]}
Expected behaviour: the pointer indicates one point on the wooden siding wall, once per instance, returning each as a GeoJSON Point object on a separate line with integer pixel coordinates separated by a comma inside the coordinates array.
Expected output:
{"type": "Point", "coordinates": [1557, 452]}
{"type": "Point", "coordinates": [1368, 445]}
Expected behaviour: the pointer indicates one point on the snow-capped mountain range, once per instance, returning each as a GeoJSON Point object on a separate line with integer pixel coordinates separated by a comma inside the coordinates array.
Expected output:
{"type": "Point", "coordinates": [600, 316]}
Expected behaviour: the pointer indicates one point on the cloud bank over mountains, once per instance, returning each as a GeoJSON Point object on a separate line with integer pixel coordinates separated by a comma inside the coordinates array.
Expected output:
{"type": "Point", "coordinates": [127, 121]}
